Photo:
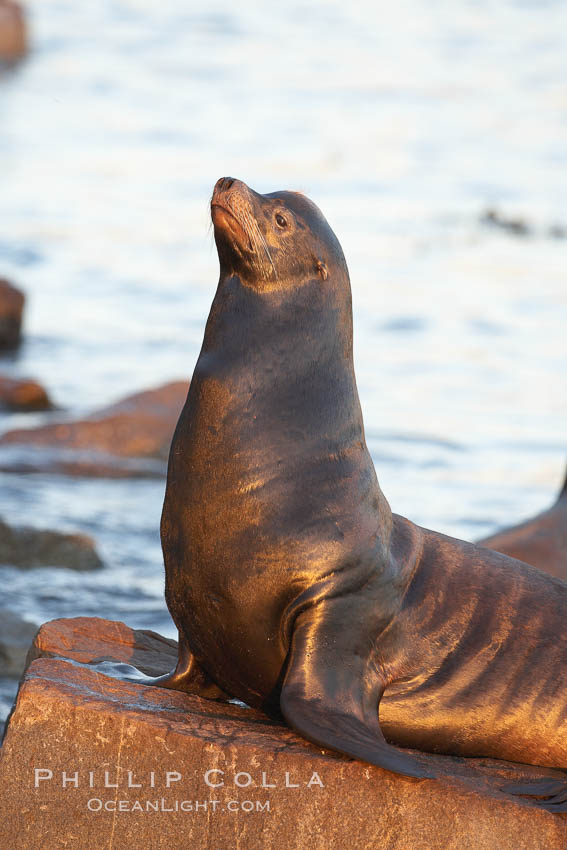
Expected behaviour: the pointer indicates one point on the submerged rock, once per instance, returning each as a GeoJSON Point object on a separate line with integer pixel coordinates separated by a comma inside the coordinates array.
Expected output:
{"type": "Point", "coordinates": [11, 305]}
{"type": "Point", "coordinates": [517, 226]}
{"type": "Point", "coordinates": [131, 437]}
{"type": "Point", "coordinates": [13, 32]}
{"type": "Point", "coordinates": [23, 395]}
{"type": "Point", "coordinates": [16, 634]}
{"type": "Point", "coordinates": [31, 547]}
{"type": "Point", "coordinates": [29, 460]}
{"type": "Point", "coordinates": [127, 764]}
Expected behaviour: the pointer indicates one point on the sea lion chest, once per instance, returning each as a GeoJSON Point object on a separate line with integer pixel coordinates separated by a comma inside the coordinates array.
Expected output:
{"type": "Point", "coordinates": [270, 488]}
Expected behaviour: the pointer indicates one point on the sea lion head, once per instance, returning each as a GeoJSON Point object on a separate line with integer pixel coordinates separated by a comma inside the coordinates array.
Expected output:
{"type": "Point", "coordinates": [270, 241]}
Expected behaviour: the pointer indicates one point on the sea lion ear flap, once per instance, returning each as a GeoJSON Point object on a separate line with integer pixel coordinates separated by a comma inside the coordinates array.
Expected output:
{"type": "Point", "coordinates": [322, 270]}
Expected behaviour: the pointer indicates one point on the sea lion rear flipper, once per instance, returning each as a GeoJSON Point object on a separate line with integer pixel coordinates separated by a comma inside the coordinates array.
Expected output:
{"type": "Point", "coordinates": [553, 793]}
{"type": "Point", "coordinates": [330, 694]}
{"type": "Point", "coordinates": [189, 677]}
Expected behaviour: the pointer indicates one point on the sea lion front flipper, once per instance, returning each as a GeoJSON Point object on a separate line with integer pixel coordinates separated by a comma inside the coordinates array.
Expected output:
{"type": "Point", "coordinates": [189, 677]}
{"type": "Point", "coordinates": [330, 694]}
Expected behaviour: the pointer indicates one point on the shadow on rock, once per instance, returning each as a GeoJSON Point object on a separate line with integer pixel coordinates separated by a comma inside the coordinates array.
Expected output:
{"type": "Point", "coordinates": [16, 634]}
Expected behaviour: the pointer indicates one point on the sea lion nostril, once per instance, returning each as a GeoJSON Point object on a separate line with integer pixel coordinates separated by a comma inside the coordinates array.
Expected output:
{"type": "Point", "coordinates": [223, 183]}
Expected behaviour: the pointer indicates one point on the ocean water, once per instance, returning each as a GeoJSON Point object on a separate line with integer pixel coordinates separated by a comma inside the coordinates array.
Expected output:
{"type": "Point", "coordinates": [405, 123]}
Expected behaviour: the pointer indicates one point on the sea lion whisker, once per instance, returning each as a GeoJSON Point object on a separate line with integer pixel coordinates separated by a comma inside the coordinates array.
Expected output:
{"type": "Point", "coordinates": [257, 237]}
{"type": "Point", "coordinates": [265, 246]}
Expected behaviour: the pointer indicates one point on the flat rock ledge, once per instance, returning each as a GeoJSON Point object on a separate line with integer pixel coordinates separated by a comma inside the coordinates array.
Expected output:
{"type": "Point", "coordinates": [93, 762]}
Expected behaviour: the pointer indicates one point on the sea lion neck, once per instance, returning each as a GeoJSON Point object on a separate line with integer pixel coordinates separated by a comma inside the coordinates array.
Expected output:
{"type": "Point", "coordinates": [288, 357]}
{"type": "Point", "coordinates": [309, 322]}
{"type": "Point", "coordinates": [278, 350]}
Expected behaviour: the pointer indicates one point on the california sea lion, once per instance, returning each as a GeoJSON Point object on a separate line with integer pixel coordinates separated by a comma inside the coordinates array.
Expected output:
{"type": "Point", "coordinates": [292, 585]}
{"type": "Point", "coordinates": [540, 541]}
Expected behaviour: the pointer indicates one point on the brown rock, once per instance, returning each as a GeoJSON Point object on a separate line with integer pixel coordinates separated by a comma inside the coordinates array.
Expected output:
{"type": "Point", "coordinates": [91, 639]}
{"type": "Point", "coordinates": [540, 541]}
{"type": "Point", "coordinates": [13, 32]}
{"type": "Point", "coordinates": [16, 635]}
{"type": "Point", "coordinates": [71, 719]}
{"type": "Point", "coordinates": [139, 426]}
{"type": "Point", "coordinates": [11, 299]}
{"type": "Point", "coordinates": [31, 547]}
{"type": "Point", "coordinates": [23, 394]}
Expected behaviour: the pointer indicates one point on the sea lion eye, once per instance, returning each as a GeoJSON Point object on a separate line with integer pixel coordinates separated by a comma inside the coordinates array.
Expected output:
{"type": "Point", "coordinates": [280, 220]}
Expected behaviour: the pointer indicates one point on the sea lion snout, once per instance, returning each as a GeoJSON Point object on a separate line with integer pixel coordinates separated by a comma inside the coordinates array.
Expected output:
{"type": "Point", "coordinates": [231, 196]}
{"type": "Point", "coordinates": [236, 212]}
{"type": "Point", "coordinates": [230, 214]}
{"type": "Point", "coordinates": [229, 191]}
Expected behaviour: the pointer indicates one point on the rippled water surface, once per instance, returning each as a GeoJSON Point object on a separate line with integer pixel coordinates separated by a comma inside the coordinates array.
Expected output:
{"type": "Point", "coordinates": [405, 122]}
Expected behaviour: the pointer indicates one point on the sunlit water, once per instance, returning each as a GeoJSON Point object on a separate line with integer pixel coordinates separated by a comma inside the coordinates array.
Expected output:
{"type": "Point", "coordinates": [404, 122]}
